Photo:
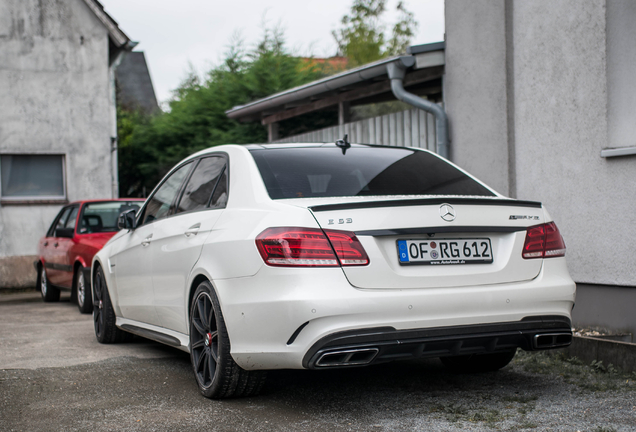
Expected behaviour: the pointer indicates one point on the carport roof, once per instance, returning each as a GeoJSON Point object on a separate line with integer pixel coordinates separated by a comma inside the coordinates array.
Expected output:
{"type": "Point", "coordinates": [371, 80]}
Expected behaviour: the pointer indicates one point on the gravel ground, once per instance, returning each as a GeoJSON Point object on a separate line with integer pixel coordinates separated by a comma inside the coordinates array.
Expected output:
{"type": "Point", "coordinates": [536, 392]}
{"type": "Point", "coordinates": [54, 376]}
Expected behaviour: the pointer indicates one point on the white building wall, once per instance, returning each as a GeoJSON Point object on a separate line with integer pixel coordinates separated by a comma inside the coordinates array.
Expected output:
{"type": "Point", "coordinates": [54, 87]}
{"type": "Point", "coordinates": [569, 94]}
{"type": "Point", "coordinates": [475, 88]}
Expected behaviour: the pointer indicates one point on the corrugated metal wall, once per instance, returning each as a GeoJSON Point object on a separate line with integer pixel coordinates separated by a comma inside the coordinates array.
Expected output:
{"type": "Point", "coordinates": [412, 128]}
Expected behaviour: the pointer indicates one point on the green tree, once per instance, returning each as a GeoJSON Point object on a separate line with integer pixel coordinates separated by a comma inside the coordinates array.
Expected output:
{"type": "Point", "coordinates": [403, 31]}
{"type": "Point", "coordinates": [362, 38]}
{"type": "Point", "coordinates": [149, 147]}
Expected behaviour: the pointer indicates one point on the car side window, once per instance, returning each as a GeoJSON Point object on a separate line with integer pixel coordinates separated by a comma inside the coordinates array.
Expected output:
{"type": "Point", "coordinates": [70, 222]}
{"type": "Point", "coordinates": [219, 196]}
{"type": "Point", "coordinates": [199, 189]}
{"type": "Point", "coordinates": [59, 222]}
{"type": "Point", "coordinates": [161, 201]}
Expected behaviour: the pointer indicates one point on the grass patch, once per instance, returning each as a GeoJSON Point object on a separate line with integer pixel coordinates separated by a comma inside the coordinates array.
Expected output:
{"type": "Point", "coordinates": [595, 377]}
{"type": "Point", "coordinates": [520, 399]}
{"type": "Point", "coordinates": [456, 413]}
{"type": "Point", "coordinates": [487, 415]}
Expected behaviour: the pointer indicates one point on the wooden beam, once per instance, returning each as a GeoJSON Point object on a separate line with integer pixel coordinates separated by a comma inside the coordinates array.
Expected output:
{"type": "Point", "coordinates": [352, 95]}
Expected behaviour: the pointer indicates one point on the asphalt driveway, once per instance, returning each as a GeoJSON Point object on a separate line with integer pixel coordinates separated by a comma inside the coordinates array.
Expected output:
{"type": "Point", "coordinates": [55, 376]}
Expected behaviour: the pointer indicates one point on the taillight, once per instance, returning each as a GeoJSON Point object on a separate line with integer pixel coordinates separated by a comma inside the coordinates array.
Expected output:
{"type": "Point", "coordinates": [348, 248]}
{"type": "Point", "coordinates": [310, 247]}
{"type": "Point", "coordinates": [543, 241]}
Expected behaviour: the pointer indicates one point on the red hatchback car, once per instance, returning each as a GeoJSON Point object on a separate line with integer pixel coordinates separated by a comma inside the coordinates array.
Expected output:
{"type": "Point", "coordinates": [66, 251]}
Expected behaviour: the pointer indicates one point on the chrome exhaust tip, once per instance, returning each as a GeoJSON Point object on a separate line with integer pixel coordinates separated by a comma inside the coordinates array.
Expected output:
{"type": "Point", "coordinates": [551, 340]}
{"type": "Point", "coordinates": [351, 357]}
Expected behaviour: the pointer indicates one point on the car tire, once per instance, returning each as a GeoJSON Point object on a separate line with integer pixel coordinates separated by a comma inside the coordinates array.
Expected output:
{"type": "Point", "coordinates": [476, 363]}
{"type": "Point", "coordinates": [217, 374]}
{"type": "Point", "coordinates": [48, 291]}
{"type": "Point", "coordinates": [104, 317]}
{"type": "Point", "coordinates": [83, 293]}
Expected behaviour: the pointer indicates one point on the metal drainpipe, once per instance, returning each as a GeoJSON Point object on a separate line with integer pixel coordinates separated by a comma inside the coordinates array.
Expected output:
{"type": "Point", "coordinates": [114, 164]}
{"type": "Point", "coordinates": [396, 71]}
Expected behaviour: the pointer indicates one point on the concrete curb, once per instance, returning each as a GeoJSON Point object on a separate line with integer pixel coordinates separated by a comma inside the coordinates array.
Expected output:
{"type": "Point", "coordinates": [621, 354]}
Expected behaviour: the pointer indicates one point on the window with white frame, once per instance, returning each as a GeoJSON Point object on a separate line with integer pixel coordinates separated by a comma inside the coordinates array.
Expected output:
{"type": "Point", "coordinates": [32, 177]}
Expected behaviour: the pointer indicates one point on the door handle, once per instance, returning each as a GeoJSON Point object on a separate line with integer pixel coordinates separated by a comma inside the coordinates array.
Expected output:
{"type": "Point", "coordinates": [145, 242]}
{"type": "Point", "coordinates": [55, 244]}
{"type": "Point", "coordinates": [193, 230]}
{"type": "Point", "coordinates": [46, 243]}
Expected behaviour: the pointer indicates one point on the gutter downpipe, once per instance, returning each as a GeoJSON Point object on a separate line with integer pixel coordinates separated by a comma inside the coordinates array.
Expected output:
{"type": "Point", "coordinates": [114, 163]}
{"type": "Point", "coordinates": [396, 71]}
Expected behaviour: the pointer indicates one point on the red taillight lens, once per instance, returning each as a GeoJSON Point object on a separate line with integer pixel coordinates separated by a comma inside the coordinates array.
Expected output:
{"type": "Point", "coordinates": [348, 248]}
{"type": "Point", "coordinates": [310, 247]}
{"type": "Point", "coordinates": [543, 241]}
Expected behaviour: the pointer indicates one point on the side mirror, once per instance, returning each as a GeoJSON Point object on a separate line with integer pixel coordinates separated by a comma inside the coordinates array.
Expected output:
{"type": "Point", "coordinates": [65, 232]}
{"type": "Point", "coordinates": [127, 220]}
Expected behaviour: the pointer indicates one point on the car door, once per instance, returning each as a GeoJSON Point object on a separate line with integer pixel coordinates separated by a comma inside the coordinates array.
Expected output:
{"type": "Point", "coordinates": [57, 266]}
{"type": "Point", "coordinates": [178, 240]}
{"type": "Point", "coordinates": [132, 262]}
{"type": "Point", "coordinates": [65, 250]}
{"type": "Point", "coordinates": [50, 245]}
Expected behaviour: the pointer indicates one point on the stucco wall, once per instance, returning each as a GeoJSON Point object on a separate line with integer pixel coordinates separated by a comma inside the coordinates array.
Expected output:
{"type": "Point", "coordinates": [561, 125]}
{"type": "Point", "coordinates": [54, 87]}
{"type": "Point", "coordinates": [475, 89]}
{"type": "Point", "coordinates": [558, 86]}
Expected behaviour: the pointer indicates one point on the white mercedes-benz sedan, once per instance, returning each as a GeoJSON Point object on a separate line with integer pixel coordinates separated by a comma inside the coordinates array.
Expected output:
{"type": "Point", "coordinates": [316, 256]}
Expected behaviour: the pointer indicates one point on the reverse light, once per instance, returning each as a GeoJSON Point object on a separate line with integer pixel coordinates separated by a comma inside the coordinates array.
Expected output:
{"type": "Point", "coordinates": [543, 241]}
{"type": "Point", "coordinates": [310, 247]}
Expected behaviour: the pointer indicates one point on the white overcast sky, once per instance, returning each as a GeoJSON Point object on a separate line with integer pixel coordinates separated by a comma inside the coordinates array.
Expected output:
{"type": "Point", "coordinates": [175, 34]}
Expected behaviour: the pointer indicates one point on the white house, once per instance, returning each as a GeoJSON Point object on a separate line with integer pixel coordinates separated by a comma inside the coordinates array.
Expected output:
{"type": "Point", "coordinates": [58, 129]}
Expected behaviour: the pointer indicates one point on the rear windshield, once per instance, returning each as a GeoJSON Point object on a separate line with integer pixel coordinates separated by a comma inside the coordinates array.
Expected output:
{"type": "Point", "coordinates": [327, 172]}
{"type": "Point", "coordinates": [102, 217]}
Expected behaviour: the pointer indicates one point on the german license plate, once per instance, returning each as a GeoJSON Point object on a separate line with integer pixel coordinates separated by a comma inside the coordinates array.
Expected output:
{"type": "Point", "coordinates": [445, 251]}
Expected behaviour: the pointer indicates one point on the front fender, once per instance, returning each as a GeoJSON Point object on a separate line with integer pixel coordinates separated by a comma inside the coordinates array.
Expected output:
{"type": "Point", "coordinates": [101, 260]}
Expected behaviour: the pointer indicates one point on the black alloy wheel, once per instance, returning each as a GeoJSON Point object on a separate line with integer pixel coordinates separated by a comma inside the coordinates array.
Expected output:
{"type": "Point", "coordinates": [217, 374]}
{"type": "Point", "coordinates": [103, 314]}
{"type": "Point", "coordinates": [204, 340]}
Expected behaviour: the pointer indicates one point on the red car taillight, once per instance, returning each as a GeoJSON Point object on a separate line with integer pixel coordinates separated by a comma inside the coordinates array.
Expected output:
{"type": "Point", "coordinates": [543, 241]}
{"type": "Point", "coordinates": [310, 247]}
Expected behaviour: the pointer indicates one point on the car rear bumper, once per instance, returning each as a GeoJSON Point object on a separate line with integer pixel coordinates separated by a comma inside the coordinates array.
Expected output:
{"type": "Point", "coordinates": [290, 318]}
{"type": "Point", "coordinates": [368, 346]}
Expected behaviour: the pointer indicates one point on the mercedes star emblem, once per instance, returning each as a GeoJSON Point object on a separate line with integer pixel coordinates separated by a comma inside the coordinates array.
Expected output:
{"type": "Point", "coordinates": [447, 212]}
